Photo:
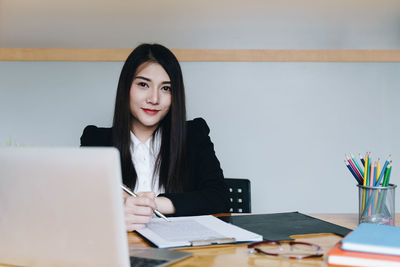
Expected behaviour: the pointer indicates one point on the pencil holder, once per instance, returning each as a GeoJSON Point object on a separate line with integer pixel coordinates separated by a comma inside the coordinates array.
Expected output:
{"type": "Point", "coordinates": [376, 204]}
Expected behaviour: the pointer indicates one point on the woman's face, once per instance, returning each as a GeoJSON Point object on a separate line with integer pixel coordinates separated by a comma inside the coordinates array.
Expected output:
{"type": "Point", "coordinates": [150, 96]}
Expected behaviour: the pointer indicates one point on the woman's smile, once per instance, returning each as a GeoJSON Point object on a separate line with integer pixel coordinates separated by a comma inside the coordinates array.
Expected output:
{"type": "Point", "coordinates": [150, 111]}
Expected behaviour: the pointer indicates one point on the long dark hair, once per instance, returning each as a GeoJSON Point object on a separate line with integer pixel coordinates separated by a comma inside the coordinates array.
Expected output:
{"type": "Point", "coordinates": [171, 160]}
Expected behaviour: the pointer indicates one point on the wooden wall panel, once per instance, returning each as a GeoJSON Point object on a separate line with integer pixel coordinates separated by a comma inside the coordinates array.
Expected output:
{"type": "Point", "coordinates": [203, 55]}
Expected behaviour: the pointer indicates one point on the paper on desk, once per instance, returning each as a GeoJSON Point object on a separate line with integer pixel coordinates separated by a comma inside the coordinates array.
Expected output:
{"type": "Point", "coordinates": [181, 230]}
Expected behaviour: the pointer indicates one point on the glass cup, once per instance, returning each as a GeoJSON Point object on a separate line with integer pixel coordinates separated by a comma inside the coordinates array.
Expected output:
{"type": "Point", "coordinates": [376, 204]}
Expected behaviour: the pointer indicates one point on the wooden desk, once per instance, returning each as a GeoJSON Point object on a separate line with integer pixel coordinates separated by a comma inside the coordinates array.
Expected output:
{"type": "Point", "coordinates": [238, 255]}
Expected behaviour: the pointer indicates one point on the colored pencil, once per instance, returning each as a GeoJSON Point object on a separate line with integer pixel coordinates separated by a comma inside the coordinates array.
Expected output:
{"type": "Point", "coordinates": [388, 160]}
{"type": "Point", "coordinates": [389, 171]}
{"type": "Point", "coordinates": [352, 172]}
{"type": "Point", "coordinates": [354, 168]}
{"type": "Point", "coordinates": [362, 159]}
{"type": "Point", "coordinates": [375, 202]}
{"type": "Point", "coordinates": [371, 183]}
{"type": "Point", "coordinates": [371, 174]}
{"type": "Point", "coordinates": [357, 165]}
{"type": "Point", "coordinates": [368, 161]}
{"type": "Point", "coordinates": [378, 169]}
{"type": "Point", "coordinates": [365, 169]}
{"type": "Point", "coordinates": [364, 200]}
{"type": "Point", "coordinates": [385, 175]}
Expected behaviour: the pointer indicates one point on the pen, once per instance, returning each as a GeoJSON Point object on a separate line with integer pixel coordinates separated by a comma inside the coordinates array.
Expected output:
{"type": "Point", "coordinates": [159, 214]}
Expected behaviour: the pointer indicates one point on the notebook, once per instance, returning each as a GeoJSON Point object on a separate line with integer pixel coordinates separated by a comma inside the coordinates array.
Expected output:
{"type": "Point", "coordinates": [63, 207]}
{"type": "Point", "coordinates": [195, 231]}
{"type": "Point", "coordinates": [280, 226]}
{"type": "Point", "coordinates": [338, 256]}
{"type": "Point", "coordinates": [374, 238]}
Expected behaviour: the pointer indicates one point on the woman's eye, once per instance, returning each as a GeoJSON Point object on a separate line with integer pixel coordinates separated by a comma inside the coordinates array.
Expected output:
{"type": "Point", "coordinates": [143, 84]}
{"type": "Point", "coordinates": [166, 88]}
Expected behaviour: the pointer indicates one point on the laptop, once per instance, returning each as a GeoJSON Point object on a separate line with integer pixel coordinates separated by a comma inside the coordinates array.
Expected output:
{"type": "Point", "coordinates": [64, 207]}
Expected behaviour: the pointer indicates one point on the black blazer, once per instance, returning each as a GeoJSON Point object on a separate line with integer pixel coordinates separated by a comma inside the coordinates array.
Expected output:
{"type": "Point", "coordinates": [205, 191]}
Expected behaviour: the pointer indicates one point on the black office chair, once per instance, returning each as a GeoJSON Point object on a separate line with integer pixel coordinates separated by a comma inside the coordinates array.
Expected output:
{"type": "Point", "coordinates": [239, 195]}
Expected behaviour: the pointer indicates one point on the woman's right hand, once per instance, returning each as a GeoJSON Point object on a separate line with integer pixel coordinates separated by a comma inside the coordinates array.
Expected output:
{"type": "Point", "coordinates": [139, 210]}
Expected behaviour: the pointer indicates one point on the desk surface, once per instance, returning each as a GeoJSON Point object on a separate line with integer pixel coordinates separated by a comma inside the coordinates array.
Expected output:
{"type": "Point", "coordinates": [238, 255]}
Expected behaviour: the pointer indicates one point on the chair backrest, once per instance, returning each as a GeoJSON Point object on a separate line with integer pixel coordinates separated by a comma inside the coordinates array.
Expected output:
{"type": "Point", "coordinates": [239, 195]}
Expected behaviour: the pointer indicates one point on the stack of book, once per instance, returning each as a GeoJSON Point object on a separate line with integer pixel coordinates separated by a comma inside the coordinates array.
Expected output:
{"type": "Point", "coordinates": [368, 245]}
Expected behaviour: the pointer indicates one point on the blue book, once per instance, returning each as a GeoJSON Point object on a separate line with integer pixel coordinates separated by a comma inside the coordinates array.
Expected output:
{"type": "Point", "coordinates": [373, 238]}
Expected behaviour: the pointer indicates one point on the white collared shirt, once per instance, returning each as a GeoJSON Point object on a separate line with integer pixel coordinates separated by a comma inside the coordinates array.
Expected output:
{"type": "Point", "coordinates": [144, 156]}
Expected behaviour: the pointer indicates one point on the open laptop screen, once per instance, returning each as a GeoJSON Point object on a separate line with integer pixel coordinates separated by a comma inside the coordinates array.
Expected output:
{"type": "Point", "coordinates": [61, 206]}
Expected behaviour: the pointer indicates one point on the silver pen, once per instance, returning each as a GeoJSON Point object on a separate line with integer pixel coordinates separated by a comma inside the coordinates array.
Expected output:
{"type": "Point", "coordinates": [159, 214]}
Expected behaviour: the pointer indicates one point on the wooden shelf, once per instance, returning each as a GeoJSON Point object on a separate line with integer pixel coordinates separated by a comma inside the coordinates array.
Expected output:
{"type": "Point", "coordinates": [202, 55]}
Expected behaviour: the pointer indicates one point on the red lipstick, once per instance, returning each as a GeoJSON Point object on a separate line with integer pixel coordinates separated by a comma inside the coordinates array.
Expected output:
{"type": "Point", "coordinates": [150, 111]}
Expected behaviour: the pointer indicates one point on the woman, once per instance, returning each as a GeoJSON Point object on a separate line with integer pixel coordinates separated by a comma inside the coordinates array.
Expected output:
{"type": "Point", "coordinates": [168, 161]}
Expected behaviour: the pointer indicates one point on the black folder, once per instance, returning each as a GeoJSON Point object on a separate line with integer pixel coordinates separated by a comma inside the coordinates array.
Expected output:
{"type": "Point", "coordinates": [280, 226]}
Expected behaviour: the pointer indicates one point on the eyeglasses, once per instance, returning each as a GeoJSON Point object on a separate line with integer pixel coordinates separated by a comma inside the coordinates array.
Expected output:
{"type": "Point", "coordinates": [288, 250]}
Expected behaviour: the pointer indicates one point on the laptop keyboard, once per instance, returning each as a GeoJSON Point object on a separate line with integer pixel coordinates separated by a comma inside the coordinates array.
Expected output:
{"type": "Point", "coordinates": [145, 262]}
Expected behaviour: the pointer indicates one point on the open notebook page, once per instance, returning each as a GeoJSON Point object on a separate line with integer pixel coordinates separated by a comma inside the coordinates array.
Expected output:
{"type": "Point", "coordinates": [181, 231]}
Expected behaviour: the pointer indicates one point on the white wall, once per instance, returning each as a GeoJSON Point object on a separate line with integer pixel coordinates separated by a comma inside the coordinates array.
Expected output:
{"type": "Point", "coordinates": [286, 126]}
